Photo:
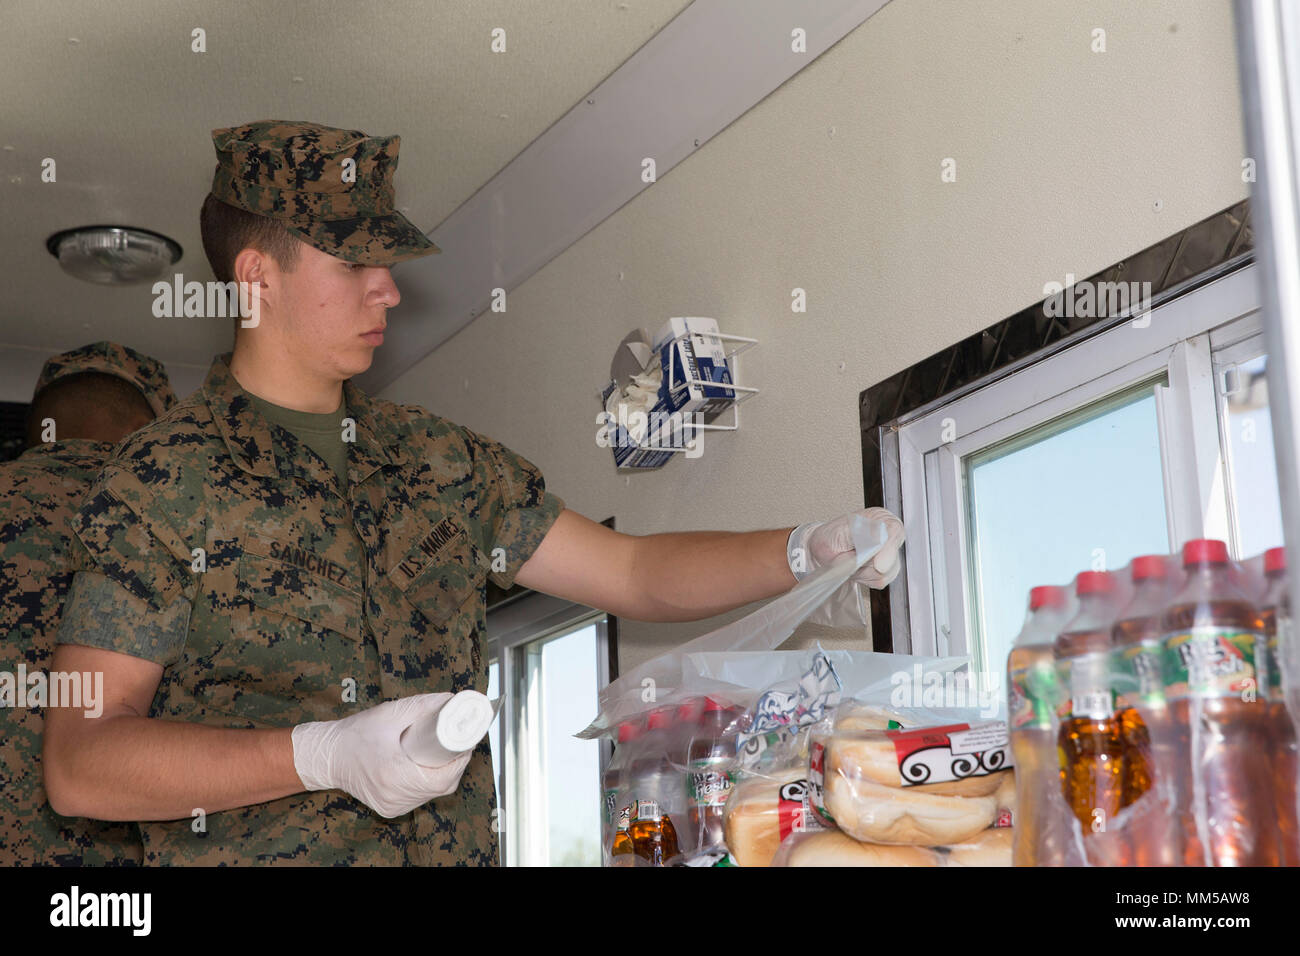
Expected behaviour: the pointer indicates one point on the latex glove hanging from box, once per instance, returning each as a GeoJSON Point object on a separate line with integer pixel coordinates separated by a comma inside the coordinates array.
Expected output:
{"type": "Point", "coordinates": [815, 544]}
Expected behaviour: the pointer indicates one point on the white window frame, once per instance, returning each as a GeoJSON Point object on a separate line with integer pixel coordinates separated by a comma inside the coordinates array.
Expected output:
{"type": "Point", "coordinates": [924, 480]}
{"type": "Point", "coordinates": [521, 787]}
{"type": "Point", "coordinates": [1232, 348]}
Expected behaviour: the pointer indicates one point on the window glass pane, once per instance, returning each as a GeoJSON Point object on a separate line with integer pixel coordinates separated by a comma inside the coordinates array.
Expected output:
{"type": "Point", "coordinates": [1082, 492]}
{"type": "Point", "coordinates": [1255, 499]}
{"type": "Point", "coordinates": [569, 684]}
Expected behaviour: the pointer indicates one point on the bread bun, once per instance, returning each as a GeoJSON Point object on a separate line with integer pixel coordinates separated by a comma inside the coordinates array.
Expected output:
{"type": "Point", "coordinates": [990, 848]}
{"type": "Point", "coordinates": [752, 821]}
{"type": "Point", "coordinates": [832, 848]}
{"type": "Point", "coordinates": [855, 718]}
{"type": "Point", "coordinates": [876, 760]}
{"type": "Point", "coordinates": [875, 813]}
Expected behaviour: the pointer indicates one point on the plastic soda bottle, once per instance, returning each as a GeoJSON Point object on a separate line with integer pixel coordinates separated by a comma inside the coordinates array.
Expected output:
{"type": "Point", "coordinates": [1275, 618]}
{"type": "Point", "coordinates": [689, 714]}
{"type": "Point", "coordinates": [1034, 692]}
{"type": "Point", "coordinates": [1089, 747]}
{"type": "Point", "coordinates": [1211, 630]}
{"type": "Point", "coordinates": [711, 758]}
{"type": "Point", "coordinates": [653, 779]}
{"type": "Point", "coordinates": [617, 813]}
{"type": "Point", "coordinates": [1151, 833]}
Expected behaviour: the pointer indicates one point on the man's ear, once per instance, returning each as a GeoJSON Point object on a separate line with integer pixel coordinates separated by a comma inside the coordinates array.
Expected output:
{"type": "Point", "coordinates": [256, 272]}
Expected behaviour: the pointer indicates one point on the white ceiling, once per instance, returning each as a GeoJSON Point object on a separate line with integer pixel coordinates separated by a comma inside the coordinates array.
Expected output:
{"type": "Point", "coordinates": [113, 93]}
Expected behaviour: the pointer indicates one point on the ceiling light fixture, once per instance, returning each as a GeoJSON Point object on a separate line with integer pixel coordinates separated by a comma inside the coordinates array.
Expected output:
{"type": "Point", "coordinates": [113, 255]}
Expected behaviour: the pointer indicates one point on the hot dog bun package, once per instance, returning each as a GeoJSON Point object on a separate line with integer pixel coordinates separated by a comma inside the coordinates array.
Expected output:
{"type": "Point", "coordinates": [822, 847]}
{"type": "Point", "coordinates": [923, 785]}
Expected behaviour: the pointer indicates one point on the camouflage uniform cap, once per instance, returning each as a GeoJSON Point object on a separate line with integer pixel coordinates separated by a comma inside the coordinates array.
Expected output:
{"type": "Point", "coordinates": [298, 174]}
{"type": "Point", "coordinates": [144, 372]}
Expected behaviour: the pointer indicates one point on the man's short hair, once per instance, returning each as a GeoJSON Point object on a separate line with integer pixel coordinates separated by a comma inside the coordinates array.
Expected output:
{"type": "Point", "coordinates": [227, 230]}
{"type": "Point", "coordinates": [88, 405]}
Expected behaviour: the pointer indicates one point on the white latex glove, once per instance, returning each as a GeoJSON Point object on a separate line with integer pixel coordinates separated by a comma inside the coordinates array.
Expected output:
{"type": "Point", "coordinates": [816, 544]}
{"type": "Point", "coordinates": [362, 755]}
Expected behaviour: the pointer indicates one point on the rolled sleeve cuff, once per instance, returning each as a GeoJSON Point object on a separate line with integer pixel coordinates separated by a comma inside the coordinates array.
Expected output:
{"type": "Point", "coordinates": [521, 533]}
{"type": "Point", "coordinates": [102, 613]}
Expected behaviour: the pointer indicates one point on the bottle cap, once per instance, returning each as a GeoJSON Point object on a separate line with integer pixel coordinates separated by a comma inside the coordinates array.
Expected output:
{"type": "Point", "coordinates": [1150, 566]}
{"type": "Point", "coordinates": [1274, 560]}
{"type": "Point", "coordinates": [1205, 550]}
{"type": "Point", "coordinates": [689, 710]}
{"type": "Point", "coordinates": [1094, 582]}
{"type": "Point", "coordinates": [711, 705]}
{"type": "Point", "coordinates": [1047, 595]}
{"type": "Point", "coordinates": [659, 718]}
{"type": "Point", "coordinates": [628, 731]}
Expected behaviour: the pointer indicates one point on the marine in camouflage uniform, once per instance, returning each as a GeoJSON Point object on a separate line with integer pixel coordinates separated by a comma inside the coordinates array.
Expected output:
{"type": "Point", "coordinates": [312, 602]}
{"type": "Point", "coordinates": [39, 493]}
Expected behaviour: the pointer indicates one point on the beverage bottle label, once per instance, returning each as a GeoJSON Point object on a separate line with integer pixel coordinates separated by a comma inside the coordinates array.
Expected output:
{"type": "Point", "coordinates": [1033, 696]}
{"type": "Point", "coordinates": [611, 798]}
{"type": "Point", "coordinates": [1136, 674]}
{"type": "Point", "coordinates": [1209, 661]}
{"type": "Point", "coordinates": [1265, 667]}
{"type": "Point", "coordinates": [817, 780]}
{"type": "Point", "coordinates": [1089, 683]}
{"type": "Point", "coordinates": [625, 817]}
{"type": "Point", "coordinates": [707, 785]}
{"type": "Point", "coordinates": [646, 810]}
{"type": "Point", "coordinates": [1281, 637]}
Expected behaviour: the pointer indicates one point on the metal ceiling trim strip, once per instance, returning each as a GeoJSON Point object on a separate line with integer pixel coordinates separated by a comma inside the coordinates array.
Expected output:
{"type": "Point", "coordinates": [707, 67]}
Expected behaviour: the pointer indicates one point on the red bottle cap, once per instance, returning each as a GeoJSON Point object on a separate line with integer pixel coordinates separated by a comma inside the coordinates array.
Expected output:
{"type": "Point", "coordinates": [1205, 550]}
{"type": "Point", "coordinates": [660, 718]}
{"type": "Point", "coordinates": [628, 731]}
{"type": "Point", "coordinates": [1093, 582]}
{"type": "Point", "coordinates": [1150, 566]}
{"type": "Point", "coordinates": [689, 710]}
{"type": "Point", "coordinates": [711, 705]}
{"type": "Point", "coordinates": [1048, 595]}
{"type": "Point", "coordinates": [1274, 560]}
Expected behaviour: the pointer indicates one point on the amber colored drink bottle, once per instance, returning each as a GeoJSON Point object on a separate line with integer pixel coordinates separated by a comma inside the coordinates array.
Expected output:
{"type": "Point", "coordinates": [1041, 828]}
{"type": "Point", "coordinates": [1151, 835]}
{"type": "Point", "coordinates": [1211, 628]}
{"type": "Point", "coordinates": [653, 781]}
{"type": "Point", "coordinates": [617, 808]}
{"type": "Point", "coordinates": [1089, 746]}
{"type": "Point", "coordinates": [1275, 618]}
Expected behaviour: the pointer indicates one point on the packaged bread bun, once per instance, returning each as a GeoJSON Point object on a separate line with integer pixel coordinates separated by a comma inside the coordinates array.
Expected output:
{"type": "Point", "coordinates": [852, 716]}
{"type": "Point", "coordinates": [833, 848]}
{"type": "Point", "coordinates": [762, 811]}
{"type": "Point", "coordinates": [874, 813]}
{"type": "Point", "coordinates": [872, 756]}
{"type": "Point", "coordinates": [927, 786]}
{"type": "Point", "coordinates": [990, 848]}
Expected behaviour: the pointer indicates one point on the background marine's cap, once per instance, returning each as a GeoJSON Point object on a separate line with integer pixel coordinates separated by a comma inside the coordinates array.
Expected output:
{"type": "Point", "coordinates": [144, 372]}
{"type": "Point", "coordinates": [332, 188]}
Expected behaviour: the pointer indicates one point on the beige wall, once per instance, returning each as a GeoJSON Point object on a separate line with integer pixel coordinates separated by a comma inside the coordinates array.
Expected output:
{"type": "Point", "coordinates": [1067, 160]}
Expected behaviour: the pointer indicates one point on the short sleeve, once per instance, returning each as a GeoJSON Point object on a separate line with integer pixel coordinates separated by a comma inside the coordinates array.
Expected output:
{"type": "Point", "coordinates": [134, 586]}
{"type": "Point", "coordinates": [515, 506]}
{"type": "Point", "coordinates": [101, 613]}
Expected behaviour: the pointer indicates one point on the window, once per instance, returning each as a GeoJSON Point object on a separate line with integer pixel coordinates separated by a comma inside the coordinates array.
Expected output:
{"type": "Point", "coordinates": [1131, 441]}
{"type": "Point", "coordinates": [550, 658]}
{"type": "Point", "coordinates": [1058, 497]}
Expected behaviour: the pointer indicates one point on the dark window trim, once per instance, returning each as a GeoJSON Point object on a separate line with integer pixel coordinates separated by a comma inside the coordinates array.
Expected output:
{"type": "Point", "coordinates": [1198, 254]}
